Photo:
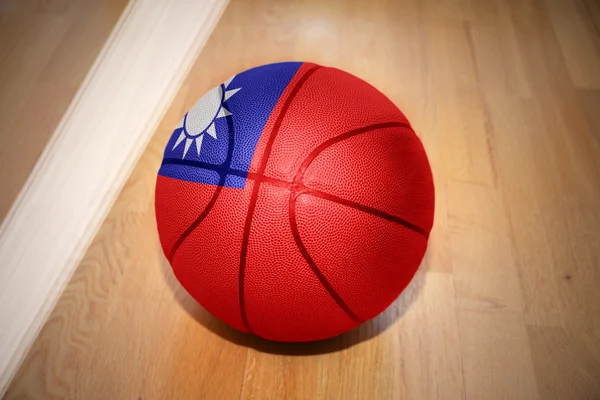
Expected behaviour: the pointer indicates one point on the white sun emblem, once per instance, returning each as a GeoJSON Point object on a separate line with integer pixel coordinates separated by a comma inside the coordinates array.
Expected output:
{"type": "Point", "coordinates": [201, 118]}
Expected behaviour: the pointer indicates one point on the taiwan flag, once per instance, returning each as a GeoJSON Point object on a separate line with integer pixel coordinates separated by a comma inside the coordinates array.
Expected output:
{"type": "Point", "coordinates": [214, 143]}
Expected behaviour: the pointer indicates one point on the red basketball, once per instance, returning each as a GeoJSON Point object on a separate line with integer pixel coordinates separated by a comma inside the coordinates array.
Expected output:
{"type": "Point", "coordinates": [294, 201]}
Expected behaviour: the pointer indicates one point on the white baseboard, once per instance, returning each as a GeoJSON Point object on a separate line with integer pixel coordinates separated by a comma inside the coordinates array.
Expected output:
{"type": "Point", "coordinates": [88, 159]}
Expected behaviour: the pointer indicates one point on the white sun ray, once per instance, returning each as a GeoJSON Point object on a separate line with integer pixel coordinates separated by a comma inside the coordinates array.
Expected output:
{"type": "Point", "coordinates": [212, 131]}
{"type": "Point", "coordinates": [223, 112]}
{"type": "Point", "coordinates": [199, 144]}
{"type": "Point", "coordinates": [230, 93]}
{"type": "Point", "coordinates": [179, 139]}
{"type": "Point", "coordinates": [198, 120]}
{"type": "Point", "coordinates": [188, 142]}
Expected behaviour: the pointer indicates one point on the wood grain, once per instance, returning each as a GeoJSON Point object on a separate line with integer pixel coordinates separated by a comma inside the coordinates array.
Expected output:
{"type": "Point", "coordinates": [46, 50]}
{"type": "Point", "coordinates": [504, 95]}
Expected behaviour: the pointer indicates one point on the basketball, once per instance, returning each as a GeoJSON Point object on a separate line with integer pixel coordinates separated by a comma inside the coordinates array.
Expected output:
{"type": "Point", "coordinates": [294, 201]}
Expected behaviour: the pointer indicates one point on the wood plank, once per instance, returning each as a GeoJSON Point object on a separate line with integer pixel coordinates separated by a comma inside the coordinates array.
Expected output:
{"type": "Point", "coordinates": [577, 37]}
{"type": "Point", "coordinates": [589, 100]}
{"type": "Point", "coordinates": [493, 335]}
{"type": "Point", "coordinates": [46, 51]}
{"type": "Point", "coordinates": [566, 369]}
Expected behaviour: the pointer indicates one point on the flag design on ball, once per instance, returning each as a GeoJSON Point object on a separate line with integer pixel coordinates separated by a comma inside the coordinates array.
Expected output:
{"type": "Point", "coordinates": [225, 156]}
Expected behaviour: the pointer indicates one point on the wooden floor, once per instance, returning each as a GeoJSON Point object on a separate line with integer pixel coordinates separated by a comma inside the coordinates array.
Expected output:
{"type": "Point", "coordinates": [46, 49]}
{"type": "Point", "coordinates": [505, 95]}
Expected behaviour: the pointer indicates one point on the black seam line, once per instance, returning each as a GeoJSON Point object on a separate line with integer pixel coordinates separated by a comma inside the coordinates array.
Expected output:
{"type": "Point", "coordinates": [302, 191]}
{"type": "Point", "coordinates": [221, 169]}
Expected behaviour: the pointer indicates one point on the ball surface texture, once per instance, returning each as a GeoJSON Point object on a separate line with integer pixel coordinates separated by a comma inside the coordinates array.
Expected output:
{"type": "Point", "coordinates": [294, 201]}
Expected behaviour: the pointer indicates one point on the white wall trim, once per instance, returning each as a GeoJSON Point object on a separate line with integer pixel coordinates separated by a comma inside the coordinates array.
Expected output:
{"type": "Point", "coordinates": [91, 154]}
